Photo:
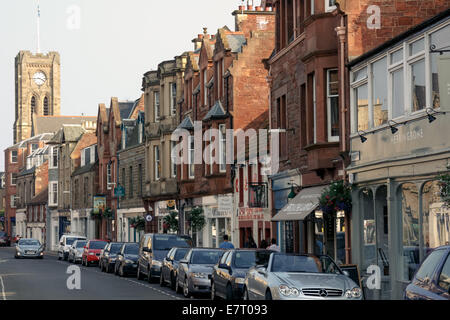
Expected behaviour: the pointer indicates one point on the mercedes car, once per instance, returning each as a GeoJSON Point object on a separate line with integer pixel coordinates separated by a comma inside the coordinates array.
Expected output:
{"type": "Point", "coordinates": [29, 248]}
{"type": "Point", "coordinates": [299, 277]}
{"type": "Point", "coordinates": [76, 251]}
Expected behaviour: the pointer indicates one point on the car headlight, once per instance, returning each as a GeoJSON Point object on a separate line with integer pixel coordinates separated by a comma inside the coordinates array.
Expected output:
{"type": "Point", "coordinates": [287, 291]}
{"type": "Point", "coordinates": [199, 275]}
{"type": "Point", "coordinates": [239, 280]}
{"type": "Point", "coordinates": [354, 293]}
{"type": "Point", "coordinates": [129, 261]}
{"type": "Point", "coordinates": [91, 254]}
{"type": "Point", "coordinates": [156, 263]}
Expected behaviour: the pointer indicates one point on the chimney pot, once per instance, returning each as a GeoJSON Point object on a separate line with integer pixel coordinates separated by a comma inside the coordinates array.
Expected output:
{"type": "Point", "coordinates": [241, 8]}
{"type": "Point", "coordinates": [250, 8]}
{"type": "Point", "coordinates": [258, 8]}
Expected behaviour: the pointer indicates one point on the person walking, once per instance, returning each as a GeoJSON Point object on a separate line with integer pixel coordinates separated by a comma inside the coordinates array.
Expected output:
{"type": "Point", "coordinates": [274, 246]}
{"type": "Point", "coordinates": [264, 244]}
{"type": "Point", "coordinates": [226, 244]}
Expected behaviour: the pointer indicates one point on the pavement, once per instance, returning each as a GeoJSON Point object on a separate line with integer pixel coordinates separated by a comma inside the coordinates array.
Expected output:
{"type": "Point", "coordinates": [47, 279]}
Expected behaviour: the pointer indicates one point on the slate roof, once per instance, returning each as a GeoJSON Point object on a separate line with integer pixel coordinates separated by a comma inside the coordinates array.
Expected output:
{"type": "Point", "coordinates": [125, 109]}
{"type": "Point", "coordinates": [39, 137]}
{"type": "Point", "coordinates": [216, 112]}
{"type": "Point", "coordinates": [186, 124]}
{"type": "Point", "coordinates": [236, 42]}
{"type": "Point", "coordinates": [41, 198]}
{"type": "Point", "coordinates": [68, 133]}
{"type": "Point", "coordinates": [26, 172]}
{"type": "Point", "coordinates": [84, 169]}
{"type": "Point", "coordinates": [47, 124]}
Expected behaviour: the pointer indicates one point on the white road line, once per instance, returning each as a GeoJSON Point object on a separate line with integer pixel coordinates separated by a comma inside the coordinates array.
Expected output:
{"type": "Point", "coordinates": [3, 288]}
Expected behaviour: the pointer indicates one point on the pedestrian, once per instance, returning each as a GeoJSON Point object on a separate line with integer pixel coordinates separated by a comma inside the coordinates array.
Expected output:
{"type": "Point", "coordinates": [274, 246]}
{"type": "Point", "coordinates": [226, 244]}
{"type": "Point", "coordinates": [250, 242]}
{"type": "Point", "coordinates": [264, 244]}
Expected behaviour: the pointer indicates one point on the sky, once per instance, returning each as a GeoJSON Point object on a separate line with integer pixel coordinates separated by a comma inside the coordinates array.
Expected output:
{"type": "Point", "coordinates": [106, 51]}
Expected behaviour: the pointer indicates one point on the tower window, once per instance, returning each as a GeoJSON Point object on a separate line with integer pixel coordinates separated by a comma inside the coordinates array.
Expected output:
{"type": "Point", "coordinates": [33, 105]}
{"type": "Point", "coordinates": [46, 111]}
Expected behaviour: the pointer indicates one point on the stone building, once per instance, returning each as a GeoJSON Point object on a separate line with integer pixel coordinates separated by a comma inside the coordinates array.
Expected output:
{"type": "Point", "coordinates": [162, 91]}
{"type": "Point", "coordinates": [37, 90]}
{"type": "Point", "coordinates": [218, 95]}
{"type": "Point", "coordinates": [131, 179]}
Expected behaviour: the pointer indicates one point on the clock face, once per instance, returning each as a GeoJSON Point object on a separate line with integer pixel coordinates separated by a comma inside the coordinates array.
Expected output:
{"type": "Point", "coordinates": [39, 78]}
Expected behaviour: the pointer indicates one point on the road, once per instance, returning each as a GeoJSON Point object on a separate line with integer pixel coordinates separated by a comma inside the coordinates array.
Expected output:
{"type": "Point", "coordinates": [46, 279]}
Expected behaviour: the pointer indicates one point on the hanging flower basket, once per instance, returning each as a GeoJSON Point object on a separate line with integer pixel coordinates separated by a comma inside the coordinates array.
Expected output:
{"type": "Point", "coordinates": [336, 197]}
{"type": "Point", "coordinates": [137, 223]}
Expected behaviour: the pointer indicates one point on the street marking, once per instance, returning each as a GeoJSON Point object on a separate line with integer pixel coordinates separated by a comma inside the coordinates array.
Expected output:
{"type": "Point", "coordinates": [3, 288]}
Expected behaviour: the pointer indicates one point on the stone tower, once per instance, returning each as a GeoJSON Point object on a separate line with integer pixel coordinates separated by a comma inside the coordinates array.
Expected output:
{"type": "Point", "coordinates": [37, 90]}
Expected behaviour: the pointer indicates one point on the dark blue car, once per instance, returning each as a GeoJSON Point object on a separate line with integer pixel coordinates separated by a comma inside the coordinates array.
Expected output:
{"type": "Point", "coordinates": [432, 280]}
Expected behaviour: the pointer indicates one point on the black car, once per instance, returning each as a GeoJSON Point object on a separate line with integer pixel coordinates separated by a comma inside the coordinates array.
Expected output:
{"type": "Point", "coordinates": [127, 257]}
{"type": "Point", "coordinates": [5, 240]}
{"type": "Point", "coordinates": [152, 250]}
{"type": "Point", "coordinates": [228, 275]}
{"type": "Point", "coordinates": [170, 266]}
{"type": "Point", "coordinates": [108, 257]}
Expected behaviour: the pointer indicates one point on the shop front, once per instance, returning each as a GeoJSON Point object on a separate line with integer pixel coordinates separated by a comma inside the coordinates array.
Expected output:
{"type": "Point", "coordinates": [20, 223]}
{"type": "Point", "coordinates": [126, 231]}
{"type": "Point", "coordinates": [255, 222]}
{"type": "Point", "coordinates": [82, 223]}
{"type": "Point", "coordinates": [217, 211]}
{"type": "Point", "coordinates": [163, 209]}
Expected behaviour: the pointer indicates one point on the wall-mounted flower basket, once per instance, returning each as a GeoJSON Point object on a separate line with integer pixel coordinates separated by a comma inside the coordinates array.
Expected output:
{"type": "Point", "coordinates": [336, 197]}
{"type": "Point", "coordinates": [171, 222]}
{"type": "Point", "coordinates": [444, 182]}
{"type": "Point", "coordinates": [137, 223]}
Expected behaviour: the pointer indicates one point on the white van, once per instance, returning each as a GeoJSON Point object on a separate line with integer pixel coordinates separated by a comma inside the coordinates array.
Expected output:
{"type": "Point", "coordinates": [64, 245]}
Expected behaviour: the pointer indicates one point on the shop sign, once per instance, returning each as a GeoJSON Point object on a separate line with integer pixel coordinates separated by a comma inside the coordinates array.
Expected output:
{"type": "Point", "coordinates": [99, 204]}
{"type": "Point", "coordinates": [225, 203]}
{"type": "Point", "coordinates": [213, 213]}
{"type": "Point", "coordinates": [251, 214]}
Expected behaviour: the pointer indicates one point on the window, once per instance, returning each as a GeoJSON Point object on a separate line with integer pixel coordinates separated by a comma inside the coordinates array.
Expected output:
{"type": "Point", "coordinates": [281, 118]}
{"type": "Point", "coordinates": [157, 162]}
{"type": "Point", "coordinates": [426, 270]}
{"type": "Point", "coordinates": [14, 156]}
{"type": "Point", "coordinates": [141, 178]}
{"type": "Point", "coordinates": [53, 195]}
{"type": "Point", "coordinates": [123, 178]}
{"type": "Point", "coordinates": [46, 108]}
{"type": "Point", "coordinates": [441, 40]}
{"type": "Point", "coordinates": [330, 5]}
{"type": "Point", "coordinates": [141, 132]}
{"type": "Point", "coordinates": [333, 105]}
{"type": "Point", "coordinates": [124, 138]}
{"type": "Point", "coordinates": [130, 182]}
{"type": "Point", "coordinates": [86, 191]}
{"type": "Point", "coordinates": [205, 86]}
{"type": "Point", "coordinates": [418, 85]}
{"type": "Point", "coordinates": [398, 100]}
{"type": "Point", "coordinates": [362, 103]}
{"type": "Point", "coordinates": [157, 106]}
{"type": "Point", "coordinates": [444, 277]}
{"type": "Point", "coordinates": [109, 175]}
{"type": "Point", "coordinates": [54, 158]}
{"type": "Point", "coordinates": [173, 100]}
{"type": "Point", "coordinates": [379, 92]}
{"type": "Point", "coordinates": [173, 157]}
{"type": "Point", "coordinates": [222, 148]}
{"type": "Point", "coordinates": [211, 147]}
{"type": "Point", "coordinates": [13, 179]}
{"type": "Point", "coordinates": [33, 105]}
{"type": "Point", "coordinates": [191, 158]}
{"type": "Point", "coordinates": [13, 201]}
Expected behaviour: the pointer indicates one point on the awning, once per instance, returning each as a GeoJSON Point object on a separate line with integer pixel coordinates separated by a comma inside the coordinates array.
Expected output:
{"type": "Point", "coordinates": [301, 206]}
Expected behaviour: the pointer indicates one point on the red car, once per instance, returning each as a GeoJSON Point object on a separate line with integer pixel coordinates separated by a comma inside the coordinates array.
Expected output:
{"type": "Point", "coordinates": [91, 253]}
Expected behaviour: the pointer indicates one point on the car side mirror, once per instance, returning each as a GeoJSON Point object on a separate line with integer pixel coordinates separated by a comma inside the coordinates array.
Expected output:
{"type": "Point", "coordinates": [61, 243]}
{"type": "Point", "coordinates": [262, 270]}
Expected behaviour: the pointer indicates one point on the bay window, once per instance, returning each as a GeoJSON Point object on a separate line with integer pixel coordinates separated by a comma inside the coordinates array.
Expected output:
{"type": "Point", "coordinates": [173, 159]}
{"type": "Point", "coordinates": [157, 162]}
{"type": "Point", "coordinates": [333, 105]}
{"type": "Point", "coordinates": [222, 148]}
{"type": "Point", "coordinates": [173, 100]}
{"type": "Point", "coordinates": [157, 106]}
{"type": "Point", "coordinates": [191, 158]}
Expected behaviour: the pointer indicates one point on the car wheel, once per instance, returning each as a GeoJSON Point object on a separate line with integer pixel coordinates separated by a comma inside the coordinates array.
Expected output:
{"type": "Point", "coordinates": [116, 270]}
{"type": "Point", "coordinates": [186, 292]}
{"type": "Point", "coordinates": [139, 274]}
{"type": "Point", "coordinates": [246, 297]}
{"type": "Point", "coordinates": [149, 275]}
{"type": "Point", "coordinates": [162, 283]}
{"type": "Point", "coordinates": [59, 257]}
{"type": "Point", "coordinates": [121, 274]}
{"type": "Point", "coordinates": [213, 292]}
{"type": "Point", "coordinates": [172, 281]}
{"type": "Point", "coordinates": [268, 295]}
{"type": "Point", "coordinates": [229, 292]}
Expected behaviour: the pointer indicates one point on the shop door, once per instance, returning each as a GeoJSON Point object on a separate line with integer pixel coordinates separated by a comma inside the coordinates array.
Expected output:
{"type": "Point", "coordinates": [382, 243]}
{"type": "Point", "coordinates": [289, 232]}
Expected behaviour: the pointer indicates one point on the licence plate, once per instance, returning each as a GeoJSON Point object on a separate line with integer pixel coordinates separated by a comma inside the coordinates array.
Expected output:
{"type": "Point", "coordinates": [30, 252]}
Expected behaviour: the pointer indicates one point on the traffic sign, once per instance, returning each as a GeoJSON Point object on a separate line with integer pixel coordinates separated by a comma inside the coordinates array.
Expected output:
{"type": "Point", "coordinates": [149, 218]}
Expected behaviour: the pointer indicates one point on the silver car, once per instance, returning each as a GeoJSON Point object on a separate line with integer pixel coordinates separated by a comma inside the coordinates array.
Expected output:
{"type": "Point", "coordinates": [29, 248]}
{"type": "Point", "coordinates": [195, 270]}
{"type": "Point", "coordinates": [76, 251]}
{"type": "Point", "coordinates": [299, 277]}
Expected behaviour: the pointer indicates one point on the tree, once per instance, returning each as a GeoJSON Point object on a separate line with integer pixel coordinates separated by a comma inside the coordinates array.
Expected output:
{"type": "Point", "coordinates": [197, 219]}
{"type": "Point", "coordinates": [171, 221]}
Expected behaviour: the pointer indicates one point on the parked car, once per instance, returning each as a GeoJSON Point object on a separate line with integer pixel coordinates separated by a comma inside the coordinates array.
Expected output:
{"type": "Point", "coordinates": [228, 275]}
{"type": "Point", "coordinates": [127, 258]}
{"type": "Point", "coordinates": [432, 279]}
{"type": "Point", "coordinates": [152, 250]}
{"type": "Point", "coordinates": [195, 270]}
{"type": "Point", "coordinates": [65, 243]}
{"type": "Point", "coordinates": [299, 277]}
{"type": "Point", "coordinates": [76, 251]}
{"type": "Point", "coordinates": [29, 248]}
{"type": "Point", "coordinates": [5, 240]}
{"type": "Point", "coordinates": [108, 256]}
{"type": "Point", "coordinates": [91, 253]}
{"type": "Point", "coordinates": [170, 266]}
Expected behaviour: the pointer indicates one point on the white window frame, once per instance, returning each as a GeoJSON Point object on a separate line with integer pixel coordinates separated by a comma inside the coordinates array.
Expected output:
{"type": "Point", "coordinates": [173, 98]}
{"type": "Point", "coordinates": [191, 168]}
{"type": "Point", "coordinates": [52, 154]}
{"type": "Point", "coordinates": [52, 194]}
{"type": "Point", "coordinates": [173, 166]}
{"type": "Point", "coordinates": [329, 96]}
{"type": "Point", "coordinates": [13, 201]}
{"type": "Point", "coordinates": [157, 160]}
{"type": "Point", "coordinates": [17, 156]}
{"type": "Point", "coordinates": [13, 184]}
{"type": "Point", "coordinates": [157, 105]}
{"type": "Point", "coordinates": [211, 164]}
{"type": "Point", "coordinates": [314, 108]}
{"type": "Point", "coordinates": [108, 175]}
{"type": "Point", "coordinates": [329, 8]}
{"type": "Point", "coordinates": [141, 133]}
{"type": "Point", "coordinates": [222, 148]}
{"type": "Point", "coordinates": [312, 7]}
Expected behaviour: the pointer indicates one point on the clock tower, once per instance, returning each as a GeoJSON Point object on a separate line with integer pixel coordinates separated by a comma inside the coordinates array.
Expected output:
{"type": "Point", "coordinates": [37, 90]}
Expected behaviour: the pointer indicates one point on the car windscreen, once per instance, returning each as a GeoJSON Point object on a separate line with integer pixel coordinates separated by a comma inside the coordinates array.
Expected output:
{"type": "Point", "coordinates": [167, 242]}
{"type": "Point", "coordinates": [96, 245]}
{"type": "Point", "coordinates": [205, 256]}
{"type": "Point", "coordinates": [69, 241]}
{"type": "Point", "coordinates": [131, 249]}
{"type": "Point", "coordinates": [3, 234]}
{"type": "Point", "coordinates": [179, 254]}
{"type": "Point", "coordinates": [307, 264]}
{"type": "Point", "coordinates": [81, 244]}
{"type": "Point", "coordinates": [245, 259]}
{"type": "Point", "coordinates": [115, 247]}
{"type": "Point", "coordinates": [26, 242]}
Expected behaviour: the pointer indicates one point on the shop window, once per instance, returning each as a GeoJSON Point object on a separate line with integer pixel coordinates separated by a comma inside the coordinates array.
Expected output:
{"type": "Point", "coordinates": [418, 85]}
{"type": "Point", "coordinates": [410, 229]}
{"type": "Point", "coordinates": [369, 230]}
{"type": "Point", "coordinates": [441, 40]}
{"type": "Point", "coordinates": [436, 218]}
{"type": "Point", "coordinates": [379, 95]}
{"type": "Point", "coordinates": [397, 88]}
{"type": "Point", "coordinates": [362, 106]}
{"type": "Point", "coordinates": [318, 233]}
